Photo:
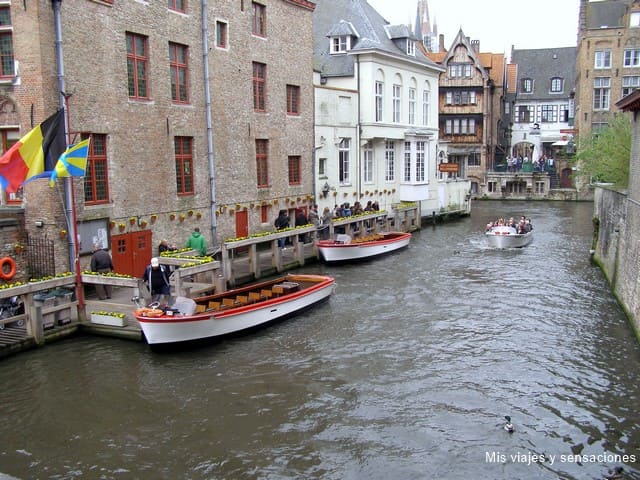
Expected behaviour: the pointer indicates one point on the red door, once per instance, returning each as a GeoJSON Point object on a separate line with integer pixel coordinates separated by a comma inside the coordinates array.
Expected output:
{"type": "Point", "coordinates": [242, 227]}
{"type": "Point", "coordinates": [131, 252]}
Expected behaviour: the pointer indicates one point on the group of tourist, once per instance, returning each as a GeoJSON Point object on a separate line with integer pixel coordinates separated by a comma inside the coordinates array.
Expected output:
{"type": "Point", "coordinates": [521, 227]}
{"type": "Point", "coordinates": [519, 163]}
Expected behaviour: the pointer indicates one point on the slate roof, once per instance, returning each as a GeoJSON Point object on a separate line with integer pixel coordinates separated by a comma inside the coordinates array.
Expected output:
{"type": "Point", "coordinates": [541, 65]}
{"type": "Point", "coordinates": [608, 14]}
{"type": "Point", "coordinates": [371, 32]}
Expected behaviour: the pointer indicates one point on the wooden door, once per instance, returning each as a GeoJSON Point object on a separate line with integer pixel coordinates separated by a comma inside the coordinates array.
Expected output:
{"type": "Point", "coordinates": [242, 227]}
{"type": "Point", "coordinates": [131, 252]}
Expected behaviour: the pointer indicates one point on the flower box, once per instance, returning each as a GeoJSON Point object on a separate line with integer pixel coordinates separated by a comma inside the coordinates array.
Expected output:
{"type": "Point", "coordinates": [109, 320]}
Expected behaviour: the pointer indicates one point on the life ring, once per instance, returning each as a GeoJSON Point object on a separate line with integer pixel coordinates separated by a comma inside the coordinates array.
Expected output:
{"type": "Point", "coordinates": [12, 268]}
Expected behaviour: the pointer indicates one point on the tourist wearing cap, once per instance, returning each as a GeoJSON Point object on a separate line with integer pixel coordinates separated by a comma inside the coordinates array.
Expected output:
{"type": "Point", "coordinates": [156, 277]}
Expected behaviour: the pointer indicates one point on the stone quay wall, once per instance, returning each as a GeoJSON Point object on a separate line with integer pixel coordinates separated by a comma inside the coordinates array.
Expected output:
{"type": "Point", "coordinates": [617, 247]}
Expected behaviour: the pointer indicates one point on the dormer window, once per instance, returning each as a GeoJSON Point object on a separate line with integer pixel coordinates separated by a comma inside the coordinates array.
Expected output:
{"type": "Point", "coordinates": [340, 44]}
{"type": "Point", "coordinates": [411, 47]}
{"type": "Point", "coordinates": [526, 85]}
{"type": "Point", "coordinates": [556, 85]}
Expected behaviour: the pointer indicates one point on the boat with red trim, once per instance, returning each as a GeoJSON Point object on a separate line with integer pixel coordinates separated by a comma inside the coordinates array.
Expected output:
{"type": "Point", "coordinates": [234, 310]}
{"type": "Point", "coordinates": [345, 249]}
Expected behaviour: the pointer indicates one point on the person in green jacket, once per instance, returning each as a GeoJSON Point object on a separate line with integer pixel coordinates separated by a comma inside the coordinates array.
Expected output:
{"type": "Point", "coordinates": [197, 242]}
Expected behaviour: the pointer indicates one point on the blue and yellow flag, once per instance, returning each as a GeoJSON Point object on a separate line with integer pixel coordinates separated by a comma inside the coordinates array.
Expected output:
{"type": "Point", "coordinates": [72, 163]}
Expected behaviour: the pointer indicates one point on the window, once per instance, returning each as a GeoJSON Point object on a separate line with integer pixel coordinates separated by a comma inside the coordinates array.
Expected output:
{"type": "Point", "coordinates": [462, 70]}
{"type": "Point", "coordinates": [96, 180]}
{"type": "Point", "coordinates": [539, 187]}
{"type": "Point", "coordinates": [262, 159]}
{"type": "Point", "coordinates": [9, 137]}
{"type": "Point", "coordinates": [397, 95]}
{"type": "Point", "coordinates": [378, 94]}
{"type": "Point", "coordinates": [6, 44]}
{"type": "Point", "coordinates": [603, 59]}
{"type": "Point", "coordinates": [137, 60]}
{"type": "Point", "coordinates": [526, 85]}
{"type": "Point", "coordinates": [460, 97]}
{"type": "Point", "coordinates": [367, 160]}
{"type": "Point", "coordinates": [294, 170]}
{"type": "Point", "coordinates": [221, 34]}
{"type": "Point", "coordinates": [259, 19]}
{"type": "Point", "coordinates": [473, 160]}
{"type": "Point", "coordinates": [177, 5]}
{"type": "Point", "coordinates": [259, 86]}
{"type": "Point", "coordinates": [406, 177]}
{"type": "Point", "coordinates": [178, 65]}
{"type": "Point", "coordinates": [183, 148]}
{"type": "Point", "coordinates": [556, 85]}
{"type": "Point", "coordinates": [340, 44]}
{"type": "Point", "coordinates": [390, 161]}
{"type": "Point", "coordinates": [264, 213]}
{"type": "Point", "coordinates": [322, 167]}
{"type": "Point", "coordinates": [412, 106]}
{"type": "Point", "coordinates": [425, 107]}
{"type": "Point", "coordinates": [293, 100]}
{"type": "Point", "coordinates": [629, 84]}
{"type": "Point", "coordinates": [420, 161]}
{"type": "Point", "coordinates": [632, 57]}
{"type": "Point", "coordinates": [548, 113]}
{"type": "Point", "coordinates": [601, 92]}
{"type": "Point", "coordinates": [411, 47]}
{"type": "Point", "coordinates": [343, 160]}
{"type": "Point", "coordinates": [523, 113]}
{"type": "Point", "coordinates": [460, 126]}
{"type": "Point", "coordinates": [634, 19]}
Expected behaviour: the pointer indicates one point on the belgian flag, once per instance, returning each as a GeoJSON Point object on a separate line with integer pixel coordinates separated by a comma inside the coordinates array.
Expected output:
{"type": "Point", "coordinates": [35, 153]}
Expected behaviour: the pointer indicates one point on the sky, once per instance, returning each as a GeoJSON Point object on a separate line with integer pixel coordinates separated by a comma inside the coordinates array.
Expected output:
{"type": "Point", "coordinates": [497, 24]}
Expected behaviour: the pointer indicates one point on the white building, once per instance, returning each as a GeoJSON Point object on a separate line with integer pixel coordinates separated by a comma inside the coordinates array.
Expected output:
{"type": "Point", "coordinates": [376, 111]}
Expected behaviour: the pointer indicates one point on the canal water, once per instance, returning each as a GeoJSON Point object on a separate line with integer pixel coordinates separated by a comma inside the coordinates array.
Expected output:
{"type": "Point", "coordinates": [406, 373]}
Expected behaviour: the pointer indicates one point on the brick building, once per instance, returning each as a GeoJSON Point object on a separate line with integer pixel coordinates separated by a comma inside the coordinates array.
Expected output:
{"type": "Point", "coordinates": [195, 118]}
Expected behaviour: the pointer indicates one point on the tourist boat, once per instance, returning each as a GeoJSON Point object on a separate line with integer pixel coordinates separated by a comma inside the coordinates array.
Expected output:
{"type": "Point", "coordinates": [345, 249]}
{"type": "Point", "coordinates": [232, 311]}
{"type": "Point", "coordinates": [507, 237]}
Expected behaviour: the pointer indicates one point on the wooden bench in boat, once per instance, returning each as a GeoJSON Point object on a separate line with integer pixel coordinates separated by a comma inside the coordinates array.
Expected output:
{"type": "Point", "coordinates": [285, 287]}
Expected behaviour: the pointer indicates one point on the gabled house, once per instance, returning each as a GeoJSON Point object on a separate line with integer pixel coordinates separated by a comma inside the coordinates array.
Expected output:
{"type": "Point", "coordinates": [472, 121]}
{"type": "Point", "coordinates": [544, 89]}
{"type": "Point", "coordinates": [376, 113]}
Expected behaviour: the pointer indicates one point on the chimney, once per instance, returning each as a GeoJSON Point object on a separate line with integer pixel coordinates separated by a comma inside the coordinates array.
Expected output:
{"type": "Point", "coordinates": [441, 42]}
{"type": "Point", "coordinates": [476, 45]}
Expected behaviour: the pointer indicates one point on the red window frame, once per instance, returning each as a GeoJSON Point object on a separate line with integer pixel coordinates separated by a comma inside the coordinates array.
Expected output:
{"type": "Point", "coordinates": [259, 19]}
{"type": "Point", "coordinates": [262, 163]}
{"type": "Point", "coordinates": [183, 148]}
{"type": "Point", "coordinates": [137, 66]}
{"type": "Point", "coordinates": [221, 34]}
{"type": "Point", "coordinates": [177, 5]}
{"type": "Point", "coordinates": [293, 100]}
{"type": "Point", "coordinates": [96, 177]}
{"type": "Point", "coordinates": [179, 67]}
{"type": "Point", "coordinates": [259, 87]}
{"type": "Point", "coordinates": [294, 170]}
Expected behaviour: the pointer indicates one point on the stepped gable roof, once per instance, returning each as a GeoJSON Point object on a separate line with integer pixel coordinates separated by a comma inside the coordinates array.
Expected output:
{"type": "Point", "coordinates": [541, 65]}
{"type": "Point", "coordinates": [607, 14]}
{"type": "Point", "coordinates": [368, 30]}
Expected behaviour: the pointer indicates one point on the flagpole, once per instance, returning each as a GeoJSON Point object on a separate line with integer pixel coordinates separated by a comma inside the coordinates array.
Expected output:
{"type": "Point", "coordinates": [70, 204]}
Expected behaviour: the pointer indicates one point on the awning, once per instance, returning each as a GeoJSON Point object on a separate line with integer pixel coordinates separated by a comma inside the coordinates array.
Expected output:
{"type": "Point", "coordinates": [560, 143]}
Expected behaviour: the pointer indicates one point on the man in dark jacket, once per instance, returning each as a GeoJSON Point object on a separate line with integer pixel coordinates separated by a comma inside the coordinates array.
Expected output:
{"type": "Point", "coordinates": [101, 263]}
{"type": "Point", "coordinates": [156, 277]}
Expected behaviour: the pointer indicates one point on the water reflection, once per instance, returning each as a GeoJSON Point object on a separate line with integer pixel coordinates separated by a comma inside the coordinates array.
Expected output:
{"type": "Point", "coordinates": [407, 372]}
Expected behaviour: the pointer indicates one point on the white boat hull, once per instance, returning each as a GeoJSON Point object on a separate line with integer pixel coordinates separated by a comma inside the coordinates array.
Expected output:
{"type": "Point", "coordinates": [158, 331]}
{"type": "Point", "coordinates": [508, 240]}
{"type": "Point", "coordinates": [344, 252]}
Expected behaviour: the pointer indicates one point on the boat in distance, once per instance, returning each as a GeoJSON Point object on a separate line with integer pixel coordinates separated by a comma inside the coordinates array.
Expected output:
{"type": "Point", "coordinates": [507, 237]}
{"type": "Point", "coordinates": [233, 311]}
{"type": "Point", "coordinates": [345, 249]}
